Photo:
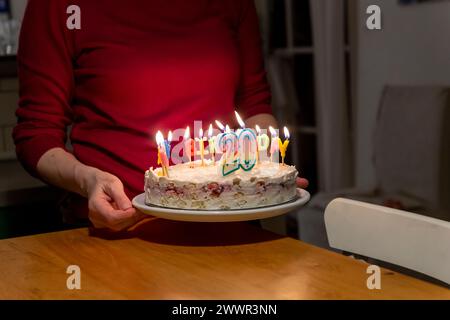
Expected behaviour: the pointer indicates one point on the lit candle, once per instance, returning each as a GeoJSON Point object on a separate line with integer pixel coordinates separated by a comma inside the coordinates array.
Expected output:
{"type": "Point", "coordinates": [212, 144]}
{"type": "Point", "coordinates": [274, 144]}
{"type": "Point", "coordinates": [283, 146]}
{"type": "Point", "coordinates": [247, 145]}
{"type": "Point", "coordinates": [240, 122]}
{"type": "Point", "coordinates": [201, 145]}
{"type": "Point", "coordinates": [167, 144]}
{"type": "Point", "coordinates": [188, 146]}
{"type": "Point", "coordinates": [263, 141]}
{"type": "Point", "coordinates": [220, 125]}
{"type": "Point", "coordinates": [162, 156]}
{"type": "Point", "coordinates": [228, 145]}
{"type": "Point", "coordinates": [224, 129]}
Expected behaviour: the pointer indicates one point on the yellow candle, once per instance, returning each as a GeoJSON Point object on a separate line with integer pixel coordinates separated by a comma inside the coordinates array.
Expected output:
{"type": "Point", "coordinates": [283, 146]}
{"type": "Point", "coordinates": [160, 173]}
{"type": "Point", "coordinates": [201, 146]}
{"type": "Point", "coordinates": [212, 144]}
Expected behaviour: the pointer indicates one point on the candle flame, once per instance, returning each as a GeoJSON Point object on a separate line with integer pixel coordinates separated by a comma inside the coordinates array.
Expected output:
{"type": "Point", "coordinates": [200, 133]}
{"type": "Point", "coordinates": [159, 138]}
{"type": "Point", "coordinates": [227, 129]}
{"type": "Point", "coordinates": [210, 131]}
{"type": "Point", "coordinates": [286, 133]}
{"type": "Point", "coordinates": [258, 129]}
{"type": "Point", "coordinates": [239, 119]}
{"type": "Point", "coordinates": [170, 136]}
{"type": "Point", "coordinates": [187, 133]}
{"type": "Point", "coordinates": [220, 125]}
{"type": "Point", "coordinates": [272, 131]}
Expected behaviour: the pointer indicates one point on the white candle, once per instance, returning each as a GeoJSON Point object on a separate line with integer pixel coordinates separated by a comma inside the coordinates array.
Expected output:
{"type": "Point", "coordinates": [274, 145]}
{"type": "Point", "coordinates": [263, 141]}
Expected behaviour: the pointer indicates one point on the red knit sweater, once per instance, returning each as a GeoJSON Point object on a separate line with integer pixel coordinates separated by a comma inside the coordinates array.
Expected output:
{"type": "Point", "coordinates": [135, 66]}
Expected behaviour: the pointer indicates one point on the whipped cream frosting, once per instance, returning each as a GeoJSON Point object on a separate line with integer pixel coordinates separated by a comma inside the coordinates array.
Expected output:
{"type": "Point", "coordinates": [204, 188]}
{"type": "Point", "coordinates": [183, 173]}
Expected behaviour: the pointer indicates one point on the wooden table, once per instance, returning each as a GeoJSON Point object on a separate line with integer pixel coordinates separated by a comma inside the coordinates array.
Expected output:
{"type": "Point", "coordinates": [161, 259]}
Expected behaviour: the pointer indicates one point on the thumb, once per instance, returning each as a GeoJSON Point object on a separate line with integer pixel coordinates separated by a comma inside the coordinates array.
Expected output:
{"type": "Point", "coordinates": [116, 192]}
{"type": "Point", "coordinates": [302, 183]}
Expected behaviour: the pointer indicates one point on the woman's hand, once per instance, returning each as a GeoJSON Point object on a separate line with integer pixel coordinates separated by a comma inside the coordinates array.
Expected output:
{"type": "Point", "coordinates": [109, 207]}
{"type": "Point", "coordinates": [302, 183]}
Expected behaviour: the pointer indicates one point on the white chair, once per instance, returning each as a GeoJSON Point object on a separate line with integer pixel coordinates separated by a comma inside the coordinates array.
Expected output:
{"type": "Point", "coordinates": [409, 240]}
{"type": "Point", "coordinates": [411, 158]}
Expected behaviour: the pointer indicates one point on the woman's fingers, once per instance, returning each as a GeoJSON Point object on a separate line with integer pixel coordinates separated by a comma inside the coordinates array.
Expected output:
{"type": "Point", "coordinates": [124, 219]}
{"type": "Point", "coordinates": [302, 183]}
{"type": "Point", "coordinates": [116, 192]}
{"type": "Point", "coordinates": [105, 208]}
{"type": "Point", "coordinates": [103, 215]}
{"type": "Point", "coordinates": [109, 206]}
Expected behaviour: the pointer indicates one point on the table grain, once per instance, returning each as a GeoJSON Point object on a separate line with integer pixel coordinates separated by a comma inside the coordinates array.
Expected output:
{"type": "Point", "coordinates": [160, 259]}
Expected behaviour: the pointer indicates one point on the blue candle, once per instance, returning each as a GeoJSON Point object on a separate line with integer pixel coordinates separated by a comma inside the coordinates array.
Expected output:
{"type": "Point", "coordinates": [167, 144]}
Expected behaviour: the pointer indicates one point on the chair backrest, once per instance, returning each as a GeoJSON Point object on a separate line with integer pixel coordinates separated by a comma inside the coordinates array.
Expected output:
{"type": "Point", "coordinates": [405, 239]}
{"type": "Point", "coordinates": [412, 143]}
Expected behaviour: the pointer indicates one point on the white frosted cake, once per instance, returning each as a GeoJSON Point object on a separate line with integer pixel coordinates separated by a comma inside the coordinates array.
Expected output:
{"type": "Point", "coordinates": [202, 188]}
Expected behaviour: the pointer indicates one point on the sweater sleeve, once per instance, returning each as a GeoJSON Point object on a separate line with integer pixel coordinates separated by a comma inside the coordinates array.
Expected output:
{"type": "Point", "coordinates": [254, 95]}
{"type": "Point", "coordinates": [46, 82]}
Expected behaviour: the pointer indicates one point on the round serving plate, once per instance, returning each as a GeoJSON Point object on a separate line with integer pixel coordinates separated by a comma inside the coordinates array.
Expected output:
{"type": "Point", "coordinates": [302, 198]}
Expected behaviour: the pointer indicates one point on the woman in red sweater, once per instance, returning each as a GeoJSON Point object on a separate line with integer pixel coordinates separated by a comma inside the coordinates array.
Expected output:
{"type": "Point", "coordinates": [133, 67]}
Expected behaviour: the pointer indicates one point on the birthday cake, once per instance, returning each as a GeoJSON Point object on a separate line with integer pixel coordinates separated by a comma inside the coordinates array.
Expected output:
{"type": "Point", "coordinates": [237, 175]}
{"type": "Point", "coordinates": [199, 186]}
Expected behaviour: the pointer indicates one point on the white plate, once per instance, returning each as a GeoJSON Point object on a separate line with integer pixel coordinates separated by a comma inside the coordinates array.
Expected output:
{"type": "Point", "coordinates": [221, 215]}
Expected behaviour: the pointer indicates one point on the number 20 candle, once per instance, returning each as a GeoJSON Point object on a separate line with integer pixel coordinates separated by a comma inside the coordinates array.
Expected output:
{"type": "Point", "coordinates": [228, 145]}
{"type": "Point", "coordinates": [247, 146]}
